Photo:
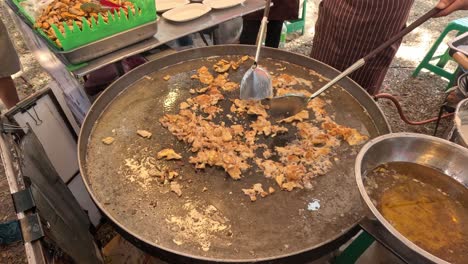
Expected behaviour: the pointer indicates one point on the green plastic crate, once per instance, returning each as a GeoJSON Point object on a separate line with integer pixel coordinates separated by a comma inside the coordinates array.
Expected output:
{"type": "Point", "coordinates": [145, 12]}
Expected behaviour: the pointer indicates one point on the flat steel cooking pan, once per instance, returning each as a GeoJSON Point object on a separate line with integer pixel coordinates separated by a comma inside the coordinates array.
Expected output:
{"type": "Point", "coordinates": [231, 228]}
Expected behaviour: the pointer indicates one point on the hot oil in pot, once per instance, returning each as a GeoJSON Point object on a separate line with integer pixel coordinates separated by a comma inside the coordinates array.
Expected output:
{"type": "Point", "coordinates": [424, 205]}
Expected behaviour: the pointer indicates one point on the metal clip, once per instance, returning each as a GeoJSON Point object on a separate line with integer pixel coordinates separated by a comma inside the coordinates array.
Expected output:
{"type": "Point", "coordinates": [23, 200]}
{"type": "Point", "coordinates": [36, 119]}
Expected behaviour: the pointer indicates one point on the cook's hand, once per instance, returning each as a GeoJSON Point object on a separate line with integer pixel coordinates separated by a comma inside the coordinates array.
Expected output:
{"type": "Point", "coordinates": [449, 6]}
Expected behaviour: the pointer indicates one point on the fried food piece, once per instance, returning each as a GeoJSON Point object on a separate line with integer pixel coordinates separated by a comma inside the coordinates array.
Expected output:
{"type": "Point", "coordinates": [230, 86]}
{"type": "Point", "coordinates": [237, 130]}
{"type": "Point", "coordinates": [249, 107]}
{"type": "Point", "coordinates": [176, 188]}
{"type": "Point", "coordinates": [245, 58]}
{"type": "Point", "coordinates": [168, 154]}
{"type": "Point", "coordinates": [289, 186]}
{"type": "Point", "coordinates": [222, 66]}
{"type": "Point", "coordinates": [271, 169]}
{"type": "Point", "coordinates": [263, 126]}
{"type": "Point", "coordinates": [167, 77]}
{"type": "Point", "coordinates": [108, 140]}
{"type": "Point", "coordinates": [251, 193]}
{"type": "Point", "coordinates": [220, 80]}
{"type": "Point", "coordinates": [184, 105]}
{"type": "Point", "coordinates": [351, 135]}
{"type": "Point", "coordinates": [267, 154]}
{"type": "Point", "coordinates": [144, 133]}
{"type": "Point", "coordinates": [235, 64]}
{"type": "Point", "coordinates": [284, 80]}
{"type": "Point", "coordinates": [318, 106]}
{"type": "Point", "coordinates": [271, 190]}
{"type": "Point", "coordinates": [172, 174]}
{"type": "Point", "coordinates": [204, 75]}
{"type": "Point", "coordinates": [301, 116]}
{"type": "Point", "coordinates": [256, 189]}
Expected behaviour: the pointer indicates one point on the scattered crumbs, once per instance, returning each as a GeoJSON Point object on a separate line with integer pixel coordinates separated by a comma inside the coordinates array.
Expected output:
{"type": "Point", "coordinates": [271, 190]}
{"type": "Point", "coordinates": [199, 224]}
{"type": "Point", "coordinates": [167, 77]}
{"type": "Point", "coordinates": [144, 133]}
{"type": "Point", "coordinates": [148, 78]}
{"type": "Point", "coordinates": [204, 189]}
{"type": "Point", "coordinates": [176, 188]}
{"type": "Point", "coordinates": [192, 91]}
{"type": "Point", "coordinates": [108, 140]}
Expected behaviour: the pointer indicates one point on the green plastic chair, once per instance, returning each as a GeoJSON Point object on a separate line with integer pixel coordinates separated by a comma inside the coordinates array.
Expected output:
{"type": "Point", "coordinates": [298, 24]}
{"type": "Point", "coordinates": [460, 25]}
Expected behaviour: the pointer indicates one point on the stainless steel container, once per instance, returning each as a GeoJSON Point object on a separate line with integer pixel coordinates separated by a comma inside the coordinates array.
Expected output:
{"type": "Point", "coordinates": [429, 151]}
{"type": "Point", "coordinates": [461, 123]}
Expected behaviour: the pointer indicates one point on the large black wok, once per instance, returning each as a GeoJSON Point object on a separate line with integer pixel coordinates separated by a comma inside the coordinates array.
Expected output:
{"type": "Point", "coordinates": [278, 227]}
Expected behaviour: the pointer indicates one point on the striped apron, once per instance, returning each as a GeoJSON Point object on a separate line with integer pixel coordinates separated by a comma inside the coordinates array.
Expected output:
{"type": "Point", "coordinates": [347, 30]}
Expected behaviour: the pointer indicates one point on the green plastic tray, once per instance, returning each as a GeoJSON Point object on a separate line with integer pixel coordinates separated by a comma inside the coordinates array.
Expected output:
{"type": "Point", "coordinates": [145, 11]}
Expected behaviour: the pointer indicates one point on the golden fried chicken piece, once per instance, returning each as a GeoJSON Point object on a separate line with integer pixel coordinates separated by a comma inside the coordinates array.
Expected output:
{"type": "Point", "coordinates": [144, 133]}
{"type": "Point", "coordinates": [284, 80]}
{"type": "Point", "coordinates": [222, 66]}
{"type": "Point", "coordinates": [251, 193]}
{"type": "Point", "coordinates": [237, 130]}
{"type": "Point", "coordinates": [271, 169]}
{"type": "Point", "coordinates": [263, 126]}
{"type": "Point", "coordinates": [176, 188]}
{"type": "Point", "coordinates": [168, 154]}
{"type": "Point", "coordinates": [249, 107]}
{"type": "Point", "coordinates": [108, 140]}
{"type": "Point", "coordinates": [230, 86]}
{"type": "Point", "coordinates": [351, 135]}
{"type": "Point", "coordinates": [318, 106]}
{"type": "Point", "coordinates": [301, 116]}
{"type": "Point", "coordinates": [204, 75]}
{"type": "Point", "coordinates": [220, 80]}
{"type": "Point", "coordinates": [235, 64]}
{"type": "Point", "coordinates": [256, 189]}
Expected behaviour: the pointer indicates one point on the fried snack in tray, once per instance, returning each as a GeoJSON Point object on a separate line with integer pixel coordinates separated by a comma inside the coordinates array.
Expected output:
{"type": "Point", "coordinates": [70, 12]}
{"type": "Point", "coordinates": [234, 147]}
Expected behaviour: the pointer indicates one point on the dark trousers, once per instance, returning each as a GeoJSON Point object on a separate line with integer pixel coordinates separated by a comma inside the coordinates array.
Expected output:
{"type": "Point", "coordinates": [251, 28]}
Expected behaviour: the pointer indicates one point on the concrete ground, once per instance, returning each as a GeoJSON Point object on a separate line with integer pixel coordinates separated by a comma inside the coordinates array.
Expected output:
{"type": "Point", "coordinates": [421, 96]}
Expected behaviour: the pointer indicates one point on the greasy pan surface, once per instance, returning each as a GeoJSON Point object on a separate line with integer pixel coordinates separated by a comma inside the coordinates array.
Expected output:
{"type": "Point", "coordinates": [237, 230]}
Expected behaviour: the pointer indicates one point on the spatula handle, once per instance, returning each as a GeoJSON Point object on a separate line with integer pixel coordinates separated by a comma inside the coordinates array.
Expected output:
{"type": "Point", "coordinates": [262, 31]}
{"type": "Point", "coordinates": [403, 32]}
{"type": "Point", "coordinates": [358, 64]}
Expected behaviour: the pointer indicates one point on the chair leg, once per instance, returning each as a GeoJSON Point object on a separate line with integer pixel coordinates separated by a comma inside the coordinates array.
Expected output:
{"type": "Point", "coordinates": [431, 52]}
{"type": "Point", "coordinates": [444, 59]}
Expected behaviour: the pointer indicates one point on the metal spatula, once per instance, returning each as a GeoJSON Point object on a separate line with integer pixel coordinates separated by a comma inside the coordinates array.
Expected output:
{"type": "Point", "coordinates": [256, 83]}
{"type": "Point", "coordinates": [291, 104]}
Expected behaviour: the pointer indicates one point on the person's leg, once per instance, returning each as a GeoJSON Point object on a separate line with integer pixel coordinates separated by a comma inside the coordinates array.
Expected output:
{"type": "Point", "coordinates": [10, 65]}
{"type": "Point", "coordinates": [249, 32]}
{"type": "Point", "coordinates": [273, 36]}
{"type": "Point", "coordinates": [8, 93]}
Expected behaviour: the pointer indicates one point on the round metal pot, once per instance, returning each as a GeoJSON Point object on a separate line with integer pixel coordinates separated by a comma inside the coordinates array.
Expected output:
{"type": "Point", "coordinates": [424, 150]}
{"type": "Point", "coordinates": [461, 123]}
